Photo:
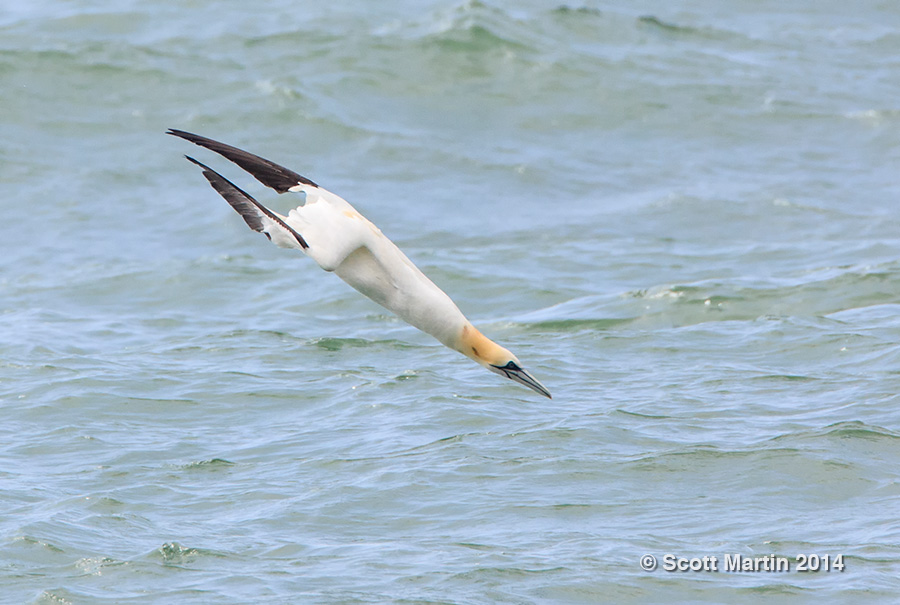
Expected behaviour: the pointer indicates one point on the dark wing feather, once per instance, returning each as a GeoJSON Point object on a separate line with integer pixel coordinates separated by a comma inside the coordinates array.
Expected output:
{"type": "Point", "coordinates": [268, 173]}
{"type": "Point", "coordinates": [254, 213]}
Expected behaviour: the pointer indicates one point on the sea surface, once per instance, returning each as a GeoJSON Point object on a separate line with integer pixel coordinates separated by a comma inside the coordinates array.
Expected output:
{"type": "Point", "coordinates": [683, 217]}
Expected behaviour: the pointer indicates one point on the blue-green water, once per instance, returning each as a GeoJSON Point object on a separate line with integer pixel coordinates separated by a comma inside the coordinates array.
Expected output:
{"type": "Point", "coordinates": [682, 217]}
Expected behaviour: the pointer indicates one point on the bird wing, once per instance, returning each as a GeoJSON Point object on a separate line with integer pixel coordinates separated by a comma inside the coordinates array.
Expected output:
{"type": "Point", "coordinates": [258, 217]}
{"type": "Point", "coordinates": [328, 225]}
{"type": "Point", "coordinates": [268, 173]}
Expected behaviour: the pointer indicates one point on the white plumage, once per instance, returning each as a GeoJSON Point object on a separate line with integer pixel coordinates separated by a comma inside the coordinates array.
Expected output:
{"type": "Point", "coordinates": [329, 230]}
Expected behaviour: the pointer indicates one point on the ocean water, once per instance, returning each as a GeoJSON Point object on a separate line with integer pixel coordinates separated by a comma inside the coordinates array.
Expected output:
{"type": "Point", "coordinates": [682, 217]}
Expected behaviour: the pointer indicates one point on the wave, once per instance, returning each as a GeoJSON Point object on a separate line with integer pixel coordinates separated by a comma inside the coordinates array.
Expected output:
{"type": "Point", "coordinates": [851, 429]}
{"type": "Point", "coordinates": [715, 301]}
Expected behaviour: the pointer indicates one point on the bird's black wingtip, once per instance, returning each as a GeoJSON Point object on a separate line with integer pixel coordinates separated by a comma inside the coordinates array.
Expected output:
{"type": "Point", "coordinates": [184, 134]}
{"type": "Point", "coordinates": [268, 173]}
{"type": "Point", "coordinates": [193, 161]}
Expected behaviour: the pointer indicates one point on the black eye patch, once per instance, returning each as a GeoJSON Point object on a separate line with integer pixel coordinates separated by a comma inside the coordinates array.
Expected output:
{"type": "Point", "coordinates": [509, 368]}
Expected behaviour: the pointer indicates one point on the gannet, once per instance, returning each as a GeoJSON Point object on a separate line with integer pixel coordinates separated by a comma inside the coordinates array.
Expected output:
{"type": "Point", "coordinates": [341, 240]}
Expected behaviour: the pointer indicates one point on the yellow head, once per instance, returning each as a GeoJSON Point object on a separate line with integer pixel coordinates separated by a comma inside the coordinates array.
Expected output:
{"type": "Point", "coordinates": [477, 346]}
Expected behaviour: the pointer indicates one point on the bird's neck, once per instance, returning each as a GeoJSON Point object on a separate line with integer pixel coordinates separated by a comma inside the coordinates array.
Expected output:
{"type": "Point", "coordinates": [477, 346]}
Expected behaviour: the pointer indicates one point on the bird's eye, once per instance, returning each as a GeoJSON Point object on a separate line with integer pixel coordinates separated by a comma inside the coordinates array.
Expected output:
{"type": "Point", "coordinates": [512, 366]}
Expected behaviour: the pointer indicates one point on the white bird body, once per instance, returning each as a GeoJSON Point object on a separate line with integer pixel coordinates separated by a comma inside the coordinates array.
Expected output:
{"type": "Point", "coordinates": [372, 264]}
{"type": "Point", "coordinates": [341, 240]}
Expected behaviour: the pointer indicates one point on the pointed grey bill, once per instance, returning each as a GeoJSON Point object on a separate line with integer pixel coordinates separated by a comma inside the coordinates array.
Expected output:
{"type": "Point", "coordinates": [513, 371]}
{"type": "Point", "coordinates": [268, 173]}
{"type": "Point", "coordinates": [253, 213]}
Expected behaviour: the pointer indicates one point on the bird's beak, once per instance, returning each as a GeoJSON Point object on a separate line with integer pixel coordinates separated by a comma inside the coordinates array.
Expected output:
{"type": "Point", "coordinates": [513, 371]}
